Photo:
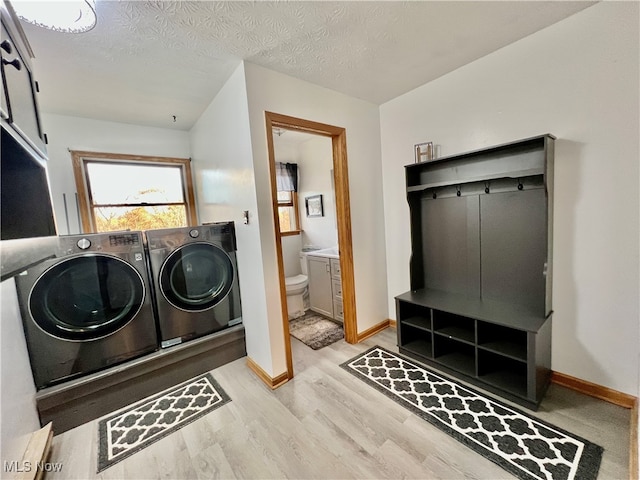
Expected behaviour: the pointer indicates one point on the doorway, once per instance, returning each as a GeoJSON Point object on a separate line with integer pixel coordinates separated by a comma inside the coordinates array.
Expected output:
{"type": "Point", "coordinates": [343, 216]}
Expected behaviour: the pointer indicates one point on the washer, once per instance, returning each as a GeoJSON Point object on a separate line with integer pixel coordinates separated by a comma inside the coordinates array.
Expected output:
{"type": "Point", "coordinates": [89, 308]}
{"type": "Point", "coordinates": [195, 277]}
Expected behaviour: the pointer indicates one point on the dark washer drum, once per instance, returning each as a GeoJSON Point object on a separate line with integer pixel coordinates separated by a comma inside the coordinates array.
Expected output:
{"type": "Point", "coordinates": [196, 277]}
{"type": "Point", "coordinates": [86, 298]}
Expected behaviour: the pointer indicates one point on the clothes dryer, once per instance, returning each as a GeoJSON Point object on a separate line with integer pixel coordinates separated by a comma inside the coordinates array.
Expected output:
{"type": "Point", "coordinates": [88, 308]}
{"type": "Point", "coordinates": [195, 277]}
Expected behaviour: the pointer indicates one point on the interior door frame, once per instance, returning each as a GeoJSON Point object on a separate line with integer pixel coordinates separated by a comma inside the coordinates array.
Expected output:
{"type": "Point", "coordinates": [338, 137]}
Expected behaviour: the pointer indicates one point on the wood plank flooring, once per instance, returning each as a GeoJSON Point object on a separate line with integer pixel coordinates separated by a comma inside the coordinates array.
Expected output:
{"type": "Point", "coordinates": [327, 424]}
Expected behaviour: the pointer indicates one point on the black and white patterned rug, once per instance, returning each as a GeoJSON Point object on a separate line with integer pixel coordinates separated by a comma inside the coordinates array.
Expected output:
{"type": "Point", "coordinates": [523, 445]}
{"type": "Point", "coordinates": [153, 418]}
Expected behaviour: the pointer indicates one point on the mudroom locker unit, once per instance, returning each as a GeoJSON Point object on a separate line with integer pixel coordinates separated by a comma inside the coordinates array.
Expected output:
{"type": "Point", "coordinates": [479, 307]}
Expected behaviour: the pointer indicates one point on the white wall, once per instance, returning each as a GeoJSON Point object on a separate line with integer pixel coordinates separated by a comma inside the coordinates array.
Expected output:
{"type": "Point", "coordinates": [275, 92]}
{"type": "Point", "coordinates": [223, 165]}
{"type": "Point", "coordinates": [18, 413]}
{"type": "Point", "coordinates": [578, 80]}
{"type": "Point", "coordinates": [74, 133]}
{"type": "Point", "coordinates": [316, 170]}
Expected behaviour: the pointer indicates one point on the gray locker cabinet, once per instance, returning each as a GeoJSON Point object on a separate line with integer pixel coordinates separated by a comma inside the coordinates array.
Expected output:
{"type": "Point", "coordinates": [480, 300]}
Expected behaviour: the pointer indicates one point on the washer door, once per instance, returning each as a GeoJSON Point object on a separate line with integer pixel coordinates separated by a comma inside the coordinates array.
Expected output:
{"type": "Point", "coordinates": [87, 297]}
{"type": "Point", "coordinates": [196, 277]}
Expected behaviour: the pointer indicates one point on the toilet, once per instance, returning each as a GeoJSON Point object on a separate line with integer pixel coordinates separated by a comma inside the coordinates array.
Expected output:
{"type": "Point", "coordinates": [296, 287]}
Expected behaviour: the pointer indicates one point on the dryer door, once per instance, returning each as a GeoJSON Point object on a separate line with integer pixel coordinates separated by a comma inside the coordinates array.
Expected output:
{"type": "Point", "coordinates": [86, 297]}
{"type": "Point", "coordinates": [196, 277]}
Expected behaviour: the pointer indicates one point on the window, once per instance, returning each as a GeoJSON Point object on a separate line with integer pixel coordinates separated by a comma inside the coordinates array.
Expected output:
{"type": "Point", "coordinates": [288, 213]}
{"type": "Point", "coordinates": [287, 187]}
{"type": "Point", "coordinates": [120, 192]}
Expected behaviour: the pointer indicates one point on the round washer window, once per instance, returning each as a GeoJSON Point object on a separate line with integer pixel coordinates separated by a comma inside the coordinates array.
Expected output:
{"type": "Point", "coordinates": [196, 277]}
{"type": "Point", "coordinates": [87, 297]}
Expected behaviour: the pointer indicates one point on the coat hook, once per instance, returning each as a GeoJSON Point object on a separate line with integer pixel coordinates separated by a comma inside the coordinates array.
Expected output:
{"type": "Point", "coordinates": [458, 192]}
{"type": "Point", "coordinates": [486, 187]}
{"type": "Point", "coordinates": [520, 186]}
{"type": "Point", "coordinates": [435, 195]}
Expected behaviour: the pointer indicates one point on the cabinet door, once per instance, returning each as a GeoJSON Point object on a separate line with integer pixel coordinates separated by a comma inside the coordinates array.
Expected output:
{"type": "Point", "coordinates": [338, 313]}
{"type": "Point", "coordinates": [451, 244]}
{"type": "Point", "coordinates": [20, 91]}
{"type": "Point", "coordinates": [320, 293]}
{"type": "Point", "coordinates": [514, 242]}
{"type": "Point", "coordinates": [335, 268]}
{"type": "Point", "coordinates": [336, 286]}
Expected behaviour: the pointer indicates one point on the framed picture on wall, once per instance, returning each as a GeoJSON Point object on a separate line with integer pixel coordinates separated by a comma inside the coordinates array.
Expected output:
{"type": "Point", "coordinates": [314, 206]}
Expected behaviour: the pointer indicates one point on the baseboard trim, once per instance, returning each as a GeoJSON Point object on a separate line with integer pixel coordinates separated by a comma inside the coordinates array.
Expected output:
{"type": "Point", "coordinates": [594, 390]}
{"type": "Point", "coordinates": [393, 323]}
{"type": "Point", "coordinates": [271, 382]}
{"type": "Point", "coordinates": [373, 330]}
{"type": "Point", "coordinates": [633, 443]}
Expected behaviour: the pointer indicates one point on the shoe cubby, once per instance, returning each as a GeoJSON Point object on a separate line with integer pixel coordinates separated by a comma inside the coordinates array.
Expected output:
{"type": "Point", "coordinates": [454, 326]}
{"type": "Point", "coordinates": [503, 372]}
{"type": "Point", "coordinates": [504, 341]}
{"type": "Point", "coordinates": [455, 354]}
{"type": "Point", "coordinates": [499, 347]}
{"type": "Point", "coordinates": [416, 329]}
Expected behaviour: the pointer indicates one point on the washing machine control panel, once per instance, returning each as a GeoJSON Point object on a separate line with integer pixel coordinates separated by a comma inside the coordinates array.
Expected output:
{"type": "Point", "coordinates": [83, 243]}
{"type": "Point", "coordinates": [194, 233]}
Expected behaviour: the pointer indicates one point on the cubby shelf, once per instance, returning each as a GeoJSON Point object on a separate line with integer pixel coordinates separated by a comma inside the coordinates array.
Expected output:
{"type": "Point", "coordinates": [481, 235]}
{"type": "Point", "coordinates": [423, 347]}
{"type": "Point", "coordinates": [456, 333]}
{"type": "Point", "coordinates": [511, 350]}
{"type": "Point", "coordinates": [458, 361]}
{"type": "Point", "coordinates": [417, 322]}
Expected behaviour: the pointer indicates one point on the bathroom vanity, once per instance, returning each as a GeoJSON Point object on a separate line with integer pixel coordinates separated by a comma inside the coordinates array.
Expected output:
{"type": "Point", "coordinates": [325, 283]}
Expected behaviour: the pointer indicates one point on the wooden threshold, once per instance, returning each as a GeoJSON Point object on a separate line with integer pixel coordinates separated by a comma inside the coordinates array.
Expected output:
{"type": "Point", "coordinates": [271, 382]}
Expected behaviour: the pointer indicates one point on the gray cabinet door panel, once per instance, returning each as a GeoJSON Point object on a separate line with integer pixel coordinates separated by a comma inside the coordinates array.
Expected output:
{"type": "Point", "coordinates": [20, 90]}
{"type": "Point", "coordinates": [513, 229]}
{"type": "Point", "coordinates": [451, 244]}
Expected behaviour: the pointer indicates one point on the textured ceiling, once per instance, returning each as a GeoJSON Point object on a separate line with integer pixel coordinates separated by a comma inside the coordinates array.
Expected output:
{"type": "Point", "coordinates": [149, 60]}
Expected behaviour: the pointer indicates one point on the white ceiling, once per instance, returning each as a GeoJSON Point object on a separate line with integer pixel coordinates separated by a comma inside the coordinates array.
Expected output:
{"type": "Point", "coordinates": [149, 60]}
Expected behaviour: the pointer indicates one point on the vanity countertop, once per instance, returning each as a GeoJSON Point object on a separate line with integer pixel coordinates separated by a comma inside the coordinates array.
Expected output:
{"type": "Point", "coordinates": [331, 252]}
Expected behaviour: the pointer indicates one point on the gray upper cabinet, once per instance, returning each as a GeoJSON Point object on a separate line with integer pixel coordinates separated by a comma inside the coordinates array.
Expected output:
{"type": "Point", "coordinates": [481, 236]}
{"type": "Point", "coordinates": [27, 209]}
{"type": "Point", "coordinates": [19, 103]}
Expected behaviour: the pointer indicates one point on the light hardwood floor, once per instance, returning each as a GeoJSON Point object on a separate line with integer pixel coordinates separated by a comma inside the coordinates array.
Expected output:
{"type": "Point", "coordinates": [325, 423]}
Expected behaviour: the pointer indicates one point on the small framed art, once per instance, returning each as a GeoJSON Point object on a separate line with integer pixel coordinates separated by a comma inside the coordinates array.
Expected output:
{"type": "Point", "coordinates": [314, 206]}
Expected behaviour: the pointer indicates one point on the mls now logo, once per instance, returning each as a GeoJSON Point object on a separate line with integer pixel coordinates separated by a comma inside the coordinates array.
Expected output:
{"type": "Point", "coordinates": [26, 466]}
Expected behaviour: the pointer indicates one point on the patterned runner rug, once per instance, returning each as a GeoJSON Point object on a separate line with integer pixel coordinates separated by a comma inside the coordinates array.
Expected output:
{"type": "Point", "coordinates": [524, 446]}
{"type": "Point", "coordinates": [153, 418]}
{"type": "Point", "coordinates": [315, 330]}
